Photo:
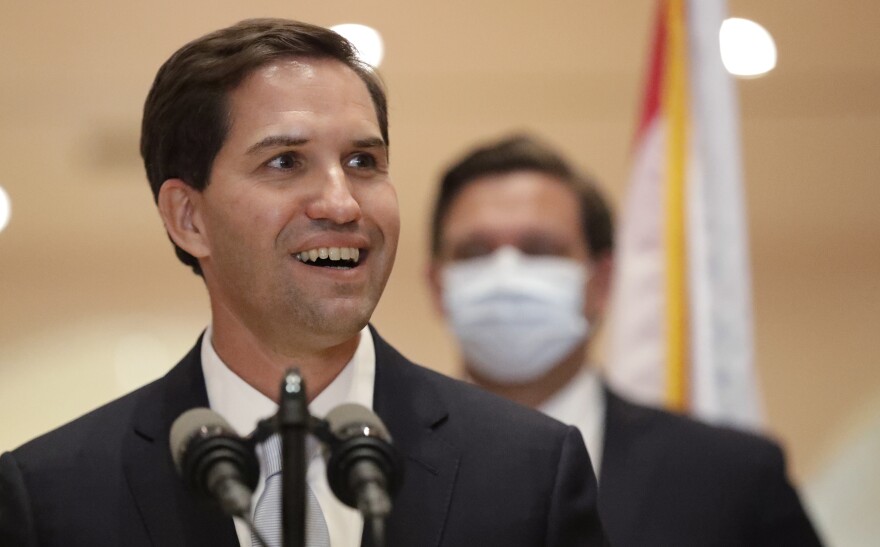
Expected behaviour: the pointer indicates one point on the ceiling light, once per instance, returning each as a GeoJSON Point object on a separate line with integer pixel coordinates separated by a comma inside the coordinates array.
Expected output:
{"type": "Point", "coordinates": [366, 40]}
{"type": "Point", "coordinates": [747, 49]}
{"type": "Point", "coordinates": [5, 208]}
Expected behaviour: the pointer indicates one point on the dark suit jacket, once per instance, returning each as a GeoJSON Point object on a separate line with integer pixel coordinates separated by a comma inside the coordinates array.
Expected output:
{"type": "Point", "coordinates": [669, 480]}
{"type": "Point", "coordinates": [479, 471]}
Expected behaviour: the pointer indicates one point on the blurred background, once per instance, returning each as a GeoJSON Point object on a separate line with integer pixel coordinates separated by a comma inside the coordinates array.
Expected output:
{"type": "Point", "coordinates": [94, 303]}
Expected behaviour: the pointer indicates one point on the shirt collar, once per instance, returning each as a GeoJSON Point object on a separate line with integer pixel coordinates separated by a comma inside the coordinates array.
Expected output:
{"type": "Point", "coordinates": [581, 403]}
{"type": "Point", "coordinates": [243, 406]}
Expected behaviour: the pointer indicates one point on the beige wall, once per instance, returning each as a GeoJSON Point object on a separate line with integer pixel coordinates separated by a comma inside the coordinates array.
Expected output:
{"type": "Point", "coordinates": [94, 303]}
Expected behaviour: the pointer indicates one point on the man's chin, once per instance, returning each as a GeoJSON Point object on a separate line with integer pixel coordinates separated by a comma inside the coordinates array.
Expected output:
{"type": "Point", "coordinates": [344, 321]}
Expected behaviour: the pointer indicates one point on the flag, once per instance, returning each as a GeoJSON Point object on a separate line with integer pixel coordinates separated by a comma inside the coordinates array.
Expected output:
{"type": "Point", "coordinates": [681, 314]}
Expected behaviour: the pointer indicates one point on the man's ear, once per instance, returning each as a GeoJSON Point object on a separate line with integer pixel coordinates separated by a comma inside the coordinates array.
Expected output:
{"type": "Point", "coordinates": [433, 274]}
{"type": "Point", "coordinates": [179, 205]}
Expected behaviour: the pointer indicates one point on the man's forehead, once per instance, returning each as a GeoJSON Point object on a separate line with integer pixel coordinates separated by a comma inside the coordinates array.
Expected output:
{"type": "Point", "coordinates": [519, 206]}
{"type": "Point", "coordinates": [517, 190]}
{"type": "Point", "coordinates": [306, 69]}
{"type": "Point", "coordinates": [522, 177]}
{"type": "Point", "coordinates": [281, 95]}
{"type": "Point", "coordinates": [300, 62]}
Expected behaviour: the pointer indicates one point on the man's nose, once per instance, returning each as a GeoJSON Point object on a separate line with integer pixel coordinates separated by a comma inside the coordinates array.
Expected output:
{"type": "Point", "coordinates": [335, 200]}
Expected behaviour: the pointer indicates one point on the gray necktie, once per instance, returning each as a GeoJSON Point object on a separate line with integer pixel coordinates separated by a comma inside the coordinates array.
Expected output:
{"type": "Point", "coordinates": [267, 516]}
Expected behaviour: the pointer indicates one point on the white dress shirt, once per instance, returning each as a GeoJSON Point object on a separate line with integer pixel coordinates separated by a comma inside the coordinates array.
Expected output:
{"type": "Point", "coordinates": [243, 406]}
{"type": "Point", "coordinates": [581, 403]}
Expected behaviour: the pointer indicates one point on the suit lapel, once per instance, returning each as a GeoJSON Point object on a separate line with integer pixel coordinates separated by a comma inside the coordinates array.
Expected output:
{"type": "Point", "coordinates": [413, 412]}
{"type": "Point", "coordinates": [171, 514]}
{"type": "Point", "coordinates": [415, 416]}
{"type": "Point", "coordinates": [627, 469]}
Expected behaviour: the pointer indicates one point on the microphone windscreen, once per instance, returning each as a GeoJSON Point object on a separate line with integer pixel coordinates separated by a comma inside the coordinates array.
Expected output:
{"type": "Point", "coordinates": [190, 424]}
{"type": "Point", "coordinates": [351, 416]}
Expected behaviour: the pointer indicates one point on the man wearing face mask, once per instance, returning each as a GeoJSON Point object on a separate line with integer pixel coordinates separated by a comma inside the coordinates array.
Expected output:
{"type": "Point", "coordinates": [521, 268]}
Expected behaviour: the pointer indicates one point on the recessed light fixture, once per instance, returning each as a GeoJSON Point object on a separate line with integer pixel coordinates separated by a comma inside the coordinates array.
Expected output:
{"type": "Point", "coordinates": [747, 49]}
{"type": "Point", "coordinates": [366, 40]}
{"type": "Point", "coordinates": [5, 209]}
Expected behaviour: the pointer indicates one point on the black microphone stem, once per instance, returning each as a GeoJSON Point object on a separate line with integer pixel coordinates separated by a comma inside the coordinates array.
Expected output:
{"type": "Point", "coordinates": [293, 422]}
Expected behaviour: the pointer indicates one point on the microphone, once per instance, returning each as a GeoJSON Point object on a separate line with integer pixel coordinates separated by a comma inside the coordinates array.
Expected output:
{"type": "Point", "coordinates": [363, 467]}
{"type": "Point", "coordinates": [213, 461]}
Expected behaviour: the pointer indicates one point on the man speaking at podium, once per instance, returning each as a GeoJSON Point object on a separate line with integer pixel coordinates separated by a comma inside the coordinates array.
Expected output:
{"type": "Point", "coordinates": [266, 147]}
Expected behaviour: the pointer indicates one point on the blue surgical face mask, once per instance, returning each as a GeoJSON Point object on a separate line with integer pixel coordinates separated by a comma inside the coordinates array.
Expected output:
{"type": "Point", "coordinates": [516, 316]}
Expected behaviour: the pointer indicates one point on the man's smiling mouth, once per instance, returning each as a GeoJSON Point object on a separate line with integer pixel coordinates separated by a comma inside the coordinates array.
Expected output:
{"type": "Point", "coordinates": [330, 257]}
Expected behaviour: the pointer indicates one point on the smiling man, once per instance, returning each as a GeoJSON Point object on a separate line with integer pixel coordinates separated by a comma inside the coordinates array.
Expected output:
{"type": "Point", "coordinates": [299, 174]}
{"type": "Point", "coordinates": [266, 147]}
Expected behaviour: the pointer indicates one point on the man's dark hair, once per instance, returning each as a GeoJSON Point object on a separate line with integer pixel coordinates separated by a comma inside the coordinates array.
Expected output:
{"type": "Point", "coordinates": [525, 153]}
{"type": "Point", "coordinates": [186, 114]}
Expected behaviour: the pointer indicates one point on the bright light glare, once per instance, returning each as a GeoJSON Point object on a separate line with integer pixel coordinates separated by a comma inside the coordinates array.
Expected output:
{"type": "Point", "coordinates": [5, 208]}
{"type": "Point", "coordinates": [366, 40]}
{"type": "Point", "coordinates": [747, 49]}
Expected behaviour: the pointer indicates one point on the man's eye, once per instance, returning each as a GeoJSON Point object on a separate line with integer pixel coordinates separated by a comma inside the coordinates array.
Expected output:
{"type": "Point", "coordinates": [543, 250]}
{"type": "Point", "coordinates": [283, 161]}
{"type": "Point", "coordinates": [471, 250]}
{"type": "Point", "coordinates": [361, 161]}
{"type": "Point", "coordinates": [538, 244]}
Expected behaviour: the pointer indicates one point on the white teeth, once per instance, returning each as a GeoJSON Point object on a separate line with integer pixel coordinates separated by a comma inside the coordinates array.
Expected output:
{"type": "Point", "coordinates": [333, 253]}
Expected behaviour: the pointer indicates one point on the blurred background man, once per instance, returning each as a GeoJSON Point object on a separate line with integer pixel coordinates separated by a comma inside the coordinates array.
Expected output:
{"type": "Point", "coordinates": [521, 268]}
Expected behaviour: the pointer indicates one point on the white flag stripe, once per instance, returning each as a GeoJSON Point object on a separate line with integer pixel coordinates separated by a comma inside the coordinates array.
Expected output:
{"type": "Point", "coordinates": [638, 337]}
{"type": "Point", "coordinates": [715, 113]}
{"type": "Point", "coordinates": [721, 379]}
